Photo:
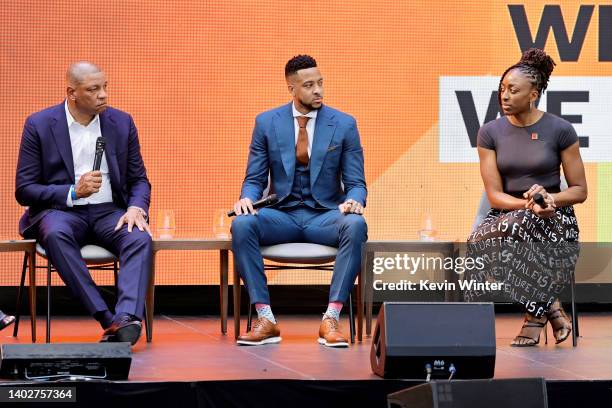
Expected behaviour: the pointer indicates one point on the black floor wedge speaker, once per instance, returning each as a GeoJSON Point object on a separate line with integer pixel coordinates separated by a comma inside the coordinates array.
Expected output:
{"type": "Point", "coordinates": [511, 393]}
{"type": "Point", "coordinates": [110, 361]}
{"type": "Point", "coordinates": [435, 340]}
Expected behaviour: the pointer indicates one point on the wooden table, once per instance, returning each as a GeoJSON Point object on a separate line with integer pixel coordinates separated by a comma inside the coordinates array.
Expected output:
{"type": "Point", "coordinates": [29, 247]}
{"type": "Point", "coordinates": [445, 248]}
{"type": "Point", "coordinates": [223, 245]}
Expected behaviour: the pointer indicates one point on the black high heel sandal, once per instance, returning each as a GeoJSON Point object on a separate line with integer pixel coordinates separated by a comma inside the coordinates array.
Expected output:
{"type": "Point", "coordinates": [560, 322]}
{"type": "Point", "coordinates": [531, 324]}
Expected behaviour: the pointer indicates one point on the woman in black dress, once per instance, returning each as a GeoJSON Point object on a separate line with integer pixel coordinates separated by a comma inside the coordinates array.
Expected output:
{"type": "Point", "coordinates": [520, 156]}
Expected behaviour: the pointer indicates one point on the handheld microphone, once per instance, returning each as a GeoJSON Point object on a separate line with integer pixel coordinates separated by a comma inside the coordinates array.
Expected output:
{"type": "Point", "coordinates": [539, 200]}
{"type": "Point", "coordinates": [100, 144]}
{"type": "Point", "coordinates": [264, 202]}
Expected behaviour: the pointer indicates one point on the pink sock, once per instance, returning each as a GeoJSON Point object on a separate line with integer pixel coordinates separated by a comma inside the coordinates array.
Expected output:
{"type": "Point", "coordinates": [335, 305]}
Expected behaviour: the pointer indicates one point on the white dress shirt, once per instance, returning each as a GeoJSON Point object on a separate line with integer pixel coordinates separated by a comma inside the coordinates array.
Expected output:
{"type": "Point", "coordinates": [310, 125]}
{"type": "Point", "coordinates": [83, 143]}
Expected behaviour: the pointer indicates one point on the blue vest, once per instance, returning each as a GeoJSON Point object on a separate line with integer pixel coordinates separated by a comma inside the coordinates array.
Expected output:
{"type": "Point", "coordinates": [300, 191]}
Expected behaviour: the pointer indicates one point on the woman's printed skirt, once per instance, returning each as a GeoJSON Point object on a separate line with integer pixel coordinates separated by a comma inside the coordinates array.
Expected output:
{"type": "Point", "coordinates": [532, 257]}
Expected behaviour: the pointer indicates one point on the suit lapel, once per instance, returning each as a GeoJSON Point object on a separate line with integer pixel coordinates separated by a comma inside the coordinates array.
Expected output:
{"type": "Point", "coordinates": [325, 127]}
{"type": "Point", "coordinates": [108, 128]}
{"type": "Point", "coordinates": [285, 137]}
{"type": "Point", "coordinates": [59, 129]}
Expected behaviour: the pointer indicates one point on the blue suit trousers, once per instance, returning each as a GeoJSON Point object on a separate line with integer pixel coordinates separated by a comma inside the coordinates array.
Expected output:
{"type": "Point", "coordinates": [347, 232]}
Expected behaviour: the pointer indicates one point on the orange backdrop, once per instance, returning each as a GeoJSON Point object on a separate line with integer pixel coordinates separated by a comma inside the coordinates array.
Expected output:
{"type": "Point", "coordinates": [194, 74]}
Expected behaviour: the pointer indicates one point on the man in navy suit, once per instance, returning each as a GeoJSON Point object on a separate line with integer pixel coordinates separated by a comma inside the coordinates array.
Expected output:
{"type": "Point", "coordinates": [314, 160]}
{"type": "Point", "coordinates": [70, 205]}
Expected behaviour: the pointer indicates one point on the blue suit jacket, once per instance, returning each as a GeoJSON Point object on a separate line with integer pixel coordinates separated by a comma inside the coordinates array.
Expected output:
{"type": "Point", "coordinates": [45, 169]}
{"type": "Point", "coordinates": [336, 156]}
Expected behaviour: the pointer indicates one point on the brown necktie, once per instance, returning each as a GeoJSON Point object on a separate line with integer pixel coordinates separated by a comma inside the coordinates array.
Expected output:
{"type": "Point", "coordinates": [301, 147]}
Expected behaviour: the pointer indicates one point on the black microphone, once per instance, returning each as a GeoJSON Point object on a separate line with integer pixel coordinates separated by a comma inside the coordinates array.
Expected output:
{"type": "Point", "coordinates": [100, 144]}
{"type": "Point", "coordinates": [539, 200]}
{"type": "Point", "coordinates": [264, 202]}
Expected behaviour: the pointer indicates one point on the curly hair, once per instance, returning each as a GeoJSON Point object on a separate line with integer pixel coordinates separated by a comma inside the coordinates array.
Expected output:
{"type": "Point", "coordinates": [536, 65]}
{"type": "Point", "coordinates": [299, 62]}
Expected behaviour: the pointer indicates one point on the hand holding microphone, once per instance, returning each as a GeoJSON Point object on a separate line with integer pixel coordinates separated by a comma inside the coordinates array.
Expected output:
{"type": "Point", "coordinates": [539, 200]}
{"type": "Point", "coordinates": [100, 145]}
{"type": "Point", "coordinates": [246, 206]}
{"type": "Point", "coordinates": [545, 207]}
{"type": "Point", "coordinates": [90, 182]}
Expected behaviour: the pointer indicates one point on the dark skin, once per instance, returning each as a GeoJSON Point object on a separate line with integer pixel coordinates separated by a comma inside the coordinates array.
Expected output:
{"type": "Point", "coordinates": [306, 89]}
{"type": "Point", "coordinates": [518, 96]}
{"type": "Point", "coordinates": [86, 96]}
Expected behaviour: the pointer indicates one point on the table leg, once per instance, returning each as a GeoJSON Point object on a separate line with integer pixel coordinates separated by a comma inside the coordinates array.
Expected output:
{"type": "Point", "coordinates": [368, 293]}
{"type": "Point", "coordinates": [150, 301]}
{"type": "Point", "coordinates": [32, 293]}
{"type": "Point", "coordinates": [223, 287]}
{"type": "Point", "coordinates": [236, 287]}
{"type": "Point", "coordinates": [48, 333]}
{"type": "Point", "coordinates": [360, 288]}
{"type": "Point", "coordinates": [26, 257]}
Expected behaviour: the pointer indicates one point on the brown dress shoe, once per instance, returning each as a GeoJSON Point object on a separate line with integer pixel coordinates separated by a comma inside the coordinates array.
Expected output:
{"type": "Point", "coordinates": [263, 332]}
{"type": "Point", "coordinates": [330, 335]}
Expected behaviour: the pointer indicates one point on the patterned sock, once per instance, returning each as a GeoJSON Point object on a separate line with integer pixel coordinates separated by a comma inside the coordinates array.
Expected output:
{"type": "Point", "coordinates": [333, 310]}
{"type": "Point", "coordinates": [264, 310]}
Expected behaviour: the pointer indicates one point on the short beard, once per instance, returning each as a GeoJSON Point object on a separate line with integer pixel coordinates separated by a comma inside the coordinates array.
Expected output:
{"type": "Point", "coordinates": [309, 106]}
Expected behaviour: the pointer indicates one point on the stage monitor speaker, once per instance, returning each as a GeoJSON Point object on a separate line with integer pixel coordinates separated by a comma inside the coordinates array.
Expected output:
{"type": "Point", "coordinates": [437, 340]}
{"type": "Point", "coordinates": [511, 393]}
{"type": "Point", "coordinates": [110, 361]}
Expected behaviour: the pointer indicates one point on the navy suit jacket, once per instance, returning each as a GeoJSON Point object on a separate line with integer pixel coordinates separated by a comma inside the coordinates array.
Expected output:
{"type": "Point", "coordinates": [45, 169]}
{"type": "Point", "coordinates": [336, 157]}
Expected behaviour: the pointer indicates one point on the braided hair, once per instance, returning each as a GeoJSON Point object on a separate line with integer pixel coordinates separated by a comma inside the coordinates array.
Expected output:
{"type": "Point", "coordinates": [536, 65]}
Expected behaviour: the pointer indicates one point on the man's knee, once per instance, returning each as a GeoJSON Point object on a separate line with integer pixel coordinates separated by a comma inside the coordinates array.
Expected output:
{"type": "Point", "coordinates": [354, 225]}
{"type": "Point", "coordinates": [243, 225]}
{"type": "Point", "coordinates": [139, 239]}
{"type": "Point", "coordinates": [57, 234]}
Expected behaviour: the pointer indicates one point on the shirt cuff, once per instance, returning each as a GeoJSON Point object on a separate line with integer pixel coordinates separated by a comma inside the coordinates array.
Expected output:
{"type": "Point", "coordinates": [69, 202]}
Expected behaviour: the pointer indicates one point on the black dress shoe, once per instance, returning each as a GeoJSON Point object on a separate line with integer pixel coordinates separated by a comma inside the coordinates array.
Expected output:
{"type": "Point", "coordinates": [126, 329]}
{"type": "Point", "coordinates": [6, 320]}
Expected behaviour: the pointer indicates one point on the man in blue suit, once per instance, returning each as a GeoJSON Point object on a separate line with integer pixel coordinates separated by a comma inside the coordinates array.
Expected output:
{"type": "Point", "coordinates": [70, 205]}
{"type": "Point", "coordinates": [314, 159]}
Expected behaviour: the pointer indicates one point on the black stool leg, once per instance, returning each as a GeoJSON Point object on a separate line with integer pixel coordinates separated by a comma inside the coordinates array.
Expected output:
{"type": "Point", "coordinates": [19, 294]}
{"type": "Point", "coordinates": [574, 317]}
{"type": "Point", "coordinates": [250, 318]}
{"type": "Point", "coordinates": [116, 272]}
{"type": "Point", "coordinates": [48, 337]}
